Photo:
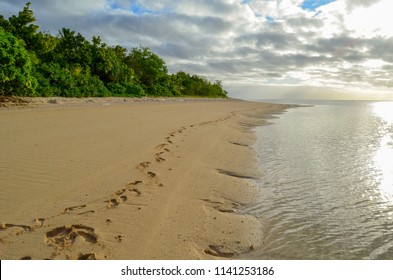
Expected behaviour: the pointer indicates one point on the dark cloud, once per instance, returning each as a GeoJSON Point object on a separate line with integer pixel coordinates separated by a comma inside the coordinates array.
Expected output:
{"type": "Point", "coordinates": [305, 22]}
{"type": "Point", "coordinates": [269, 39]}
{"type": "Point", "coordinates": [353, 4]}
{"type": "Point", "coordinates": [381, 48]}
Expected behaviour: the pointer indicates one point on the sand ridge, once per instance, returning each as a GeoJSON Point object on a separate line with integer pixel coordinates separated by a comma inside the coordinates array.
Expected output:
{"type": "Point", "coordinates": [158, 180]}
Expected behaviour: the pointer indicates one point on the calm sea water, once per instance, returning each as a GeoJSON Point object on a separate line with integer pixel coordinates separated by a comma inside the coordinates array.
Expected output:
{"type": "Point", "coordinates": [326, 189]}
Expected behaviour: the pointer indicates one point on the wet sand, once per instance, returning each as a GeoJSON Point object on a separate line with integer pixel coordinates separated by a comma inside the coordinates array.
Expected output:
{"type": "Point", "coordinates": [128, 179]}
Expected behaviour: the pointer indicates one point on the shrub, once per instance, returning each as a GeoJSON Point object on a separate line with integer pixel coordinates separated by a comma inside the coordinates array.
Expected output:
{"type": "Point", "coordinates": [15, 67]}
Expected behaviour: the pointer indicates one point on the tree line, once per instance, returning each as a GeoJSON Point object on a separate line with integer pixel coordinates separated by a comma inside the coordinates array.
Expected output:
{"type": "Point", "coordinates": [35, 63]}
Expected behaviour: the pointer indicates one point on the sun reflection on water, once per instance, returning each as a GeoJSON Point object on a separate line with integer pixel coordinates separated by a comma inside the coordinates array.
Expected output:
{"type": "Point", "coordinates": [383, 158]}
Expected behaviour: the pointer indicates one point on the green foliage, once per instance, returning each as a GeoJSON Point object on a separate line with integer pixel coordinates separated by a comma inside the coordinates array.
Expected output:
{"type": "Point", "coordinates": [197, 86]}
{"type": "Point", "coordinates": [126, 89]}
{"type": "Point", "coordinates": [22, 26]}
{"type": "Point", "coordinates": [71, 66]}
{"type": "Point", "coordinates": [72, 49]}
{"type": "Point", "coordinates": [15, 67]}
{"type": "Point", "coordinates": [69, 82]}
{"type": "Point", "coordinates": [107, 63]}
{"type": "Point", "coordinates": [44, 46]}
{"type": "Point", "coordinates": [5, 24]}
{"type": "Point", "coordinates": [148, 67]}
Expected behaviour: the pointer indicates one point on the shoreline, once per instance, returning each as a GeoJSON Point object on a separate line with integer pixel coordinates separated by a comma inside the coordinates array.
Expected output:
{"type": "Point", "coordinates": [158, 179]}
{"type": "Point", "coordinates": [43, 102]}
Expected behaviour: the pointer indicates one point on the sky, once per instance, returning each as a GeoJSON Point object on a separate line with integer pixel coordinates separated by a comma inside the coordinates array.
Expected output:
{"type": "Point", "coordinates": [330, 49]}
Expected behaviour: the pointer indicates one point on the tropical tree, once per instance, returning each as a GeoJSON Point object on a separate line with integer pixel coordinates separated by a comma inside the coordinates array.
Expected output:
{"type": "Point", "coordinates": [107, 63]}
{"type": "Point", "coordinates": [15, 67]}
{"type": "Point", "coordinates": [72, 49]}
{"type": "Point", "coordinates": [22, 26]}
{"type": "Point", "coordinates": [149, 68]}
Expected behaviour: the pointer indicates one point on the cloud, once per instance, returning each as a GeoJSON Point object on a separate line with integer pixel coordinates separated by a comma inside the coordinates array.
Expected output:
{"type": "Point", "coordinates": [335, 44]}
{"type": "Point", "coordinates": [353, 4]}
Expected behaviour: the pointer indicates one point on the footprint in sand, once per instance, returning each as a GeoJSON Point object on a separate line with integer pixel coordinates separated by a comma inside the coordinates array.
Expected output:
{"type": "Point", "coordinates": [112, 203]}
{"type": "Point", "coordinates": [7, 226]}
{"type": "Point", "coordinates": [159, 158]}
{"type": "Point", "coordinates": [127, 188]}
{"type": "Point", "coordinates": [161, 146]}
{"type": "Point", "coordinates": [119, 238]}
{"type": "Point", "coordinates": [70, 209]}
{"type": "Point", "coordinates": [135, 183]}
{"type": "Point", "coordinates": [135, 192]}
{"type": "Point", "coordinates": [144, 165]}
{"type": "Point", "coordinates": [168, 140]}
{"type": "Point", "coordinates": [65, 236]}
{"type": "Point", "coordinates": [151, 174]}
{"type": "Point", "coordinates": [120, 192]}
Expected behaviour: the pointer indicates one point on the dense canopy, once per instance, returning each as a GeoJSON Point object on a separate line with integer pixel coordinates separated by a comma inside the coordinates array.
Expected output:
{"type": "Point", "coordinates": [36, 63]}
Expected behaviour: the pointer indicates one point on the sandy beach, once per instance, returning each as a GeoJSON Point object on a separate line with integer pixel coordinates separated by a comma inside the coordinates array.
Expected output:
{"type": "Point", "coordinates": [128, 179]}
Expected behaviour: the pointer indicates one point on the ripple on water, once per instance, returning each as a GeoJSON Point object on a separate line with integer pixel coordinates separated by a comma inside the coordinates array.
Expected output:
{"type": "Point", "coordinates": [323, 192]}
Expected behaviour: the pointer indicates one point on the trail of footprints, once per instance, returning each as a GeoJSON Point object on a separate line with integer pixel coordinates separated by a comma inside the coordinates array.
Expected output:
{"type": "Point", "coordinates": [120, 194]}
{"type": "Point", "coordinates": [65, 236]}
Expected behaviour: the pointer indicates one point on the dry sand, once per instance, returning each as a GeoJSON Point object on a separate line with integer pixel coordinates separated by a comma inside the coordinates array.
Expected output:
{"type": "Point", "coordinates": [128, 179]}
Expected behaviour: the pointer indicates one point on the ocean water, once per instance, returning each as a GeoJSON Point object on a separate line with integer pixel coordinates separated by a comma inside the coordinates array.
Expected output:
{"type": "Point", "coordinates": [326, 185]}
